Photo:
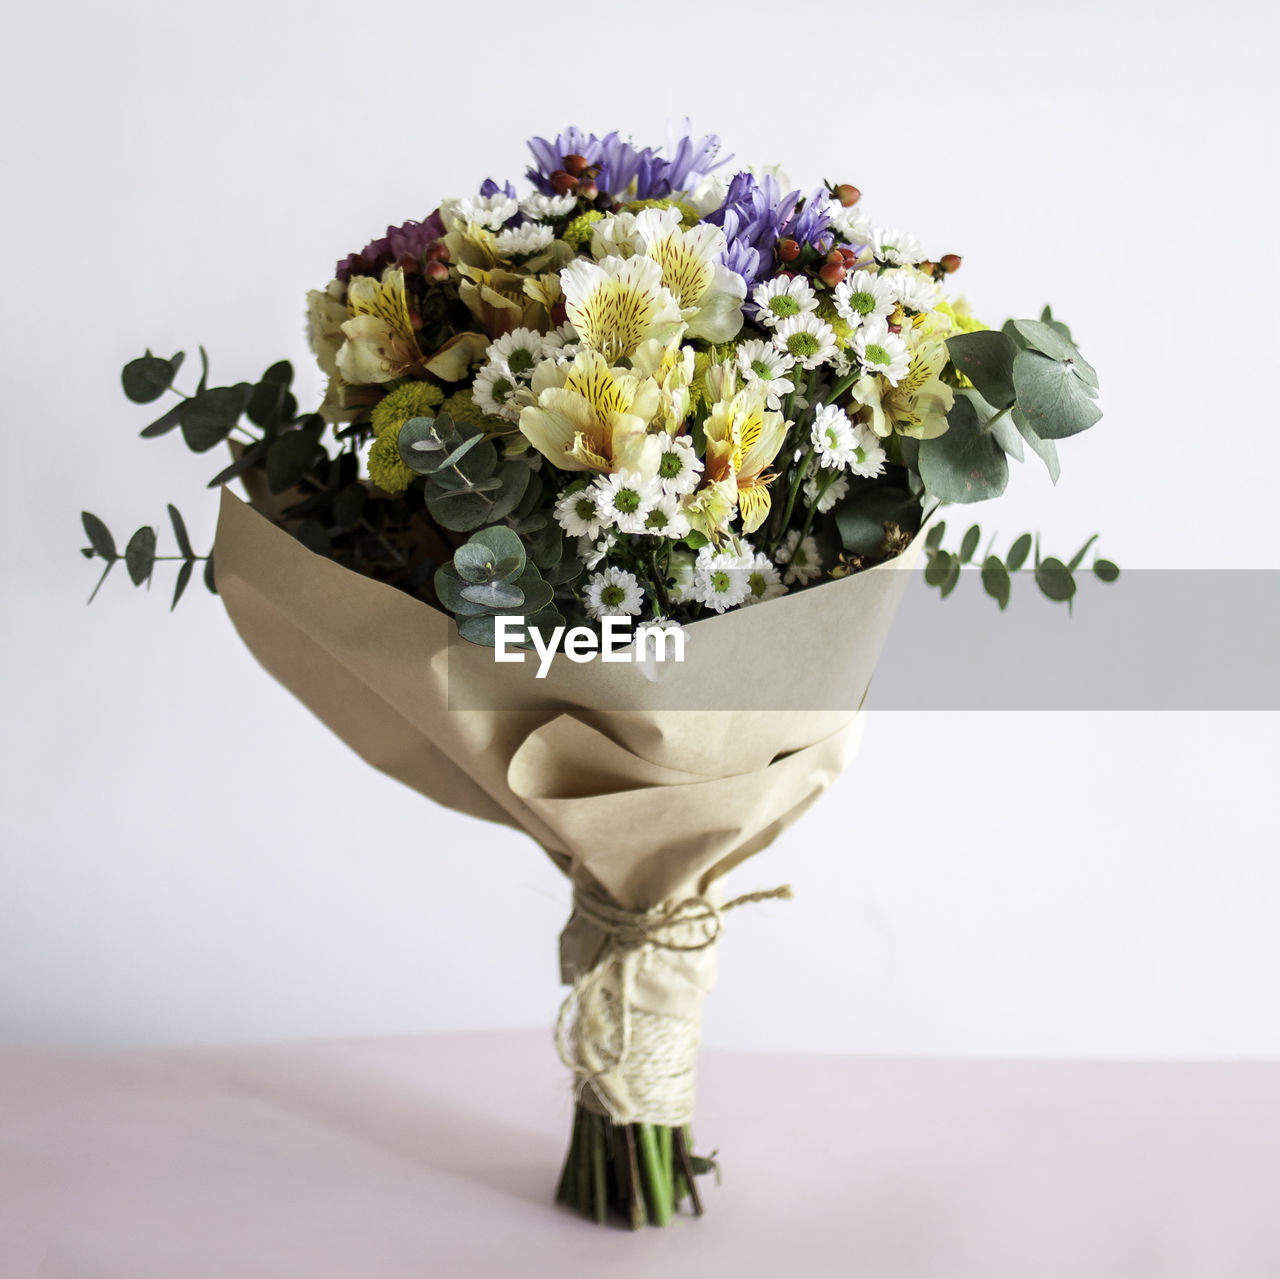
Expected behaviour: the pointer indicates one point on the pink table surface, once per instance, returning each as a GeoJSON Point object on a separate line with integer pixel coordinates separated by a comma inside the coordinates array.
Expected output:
{"type": "Point", "coordinates": [436, 1156]}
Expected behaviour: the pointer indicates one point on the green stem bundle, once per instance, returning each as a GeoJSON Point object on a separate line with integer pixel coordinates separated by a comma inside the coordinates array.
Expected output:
{"type": "Point", "coordinates": [640, 1172]}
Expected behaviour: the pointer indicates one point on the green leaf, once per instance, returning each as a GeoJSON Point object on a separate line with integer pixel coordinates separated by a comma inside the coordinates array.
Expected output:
{"type": "Point", "coordinates": [995, 580]}
{"type": "Point", "coordinates": [1055, 580]}
{"type": "Point", "coordinates": [93, 594]}
{"type": "Point", "coordinates": [180, 532]}
{"type": "Point", "coordinates": [99, 537]}
{"type": "Point", "coordinates": [247, 460]}
{"type": "Point", "coordinates": [1046, 317]}
{"type": "Point", "coordinates": [1045, 450]}
{"type": "Point", "coordinates": [148, 377]}
{"type": "Point", "coordinates": [1078, 558]}
{"type": "Point", "coordinates": [1018, 553]}
{"type": "Point", "coordinates": [933, 538]}
{"type": "Point", "coordinates": [348, 506]}
{"type": "Point", "coordinates": [459, 512]}
{"type": "Point", "coordinates": [537, 592]}
{"type": "Point", "coordinates": [952, 578]}
{"type": "Point", "coordinates": [513, 477]}
{"type": "Point", "coordinates": [207, 418]}
{"type": "Point", "coordinates": [861, 517]}
{"type": "Point", "coordinates": [986, 359]}
{"type": "Point", "coordinates": [695, 541]}
{"type": "Point", "coordinates": [165, 423]}
{"type": "Point", "coordinates": [1052, 398]}
{"type": "Point", "coordinates": [449, 587]}
{"type": "Point", "coordinates": [452, 459]}
{"type": "Point", "coordinates": [1105, 570]}
{"type": "Point", "coordinates": [420, 444]}
{"type": "Point", "coordinates": [269, 404]}
{"type": "Point", "coordinates": [969, 544]}
{"type": "Point", "coordinates": [938, 567]}
{"type": "Point", "coordinates": [210, 583]}
{"type": "Point", "coordinates": [478, 629]}
{"type": "Point", "coordinates": [204, 371]}
{"type": "Point", "coordinates": [280, 372]}
{"type": "Point", "coordinates": [494, 595]}
{"type": "Point", "coordinates": [184, 576]}
{"type": "Point", "coordinates": [964, 464]}
{"type": "Point", "coordinates": [313, 535]}
{"type": "Point", "coordinates": [502, 544]}
{"type": "Point", "coordinates": [1048, 339]}
{"type": "Point", "coordinates": [140, 555]}
{"type": "Point", "coordinates": [289, 458]}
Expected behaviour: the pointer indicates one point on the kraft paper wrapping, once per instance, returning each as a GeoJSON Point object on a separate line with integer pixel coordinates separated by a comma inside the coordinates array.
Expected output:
{"type": "Point", "coordinates": [646, 783]}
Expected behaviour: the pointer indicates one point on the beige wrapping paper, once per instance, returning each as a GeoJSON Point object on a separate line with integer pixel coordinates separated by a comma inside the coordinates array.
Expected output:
{"type": "Point", "coordinates": [645, 784]}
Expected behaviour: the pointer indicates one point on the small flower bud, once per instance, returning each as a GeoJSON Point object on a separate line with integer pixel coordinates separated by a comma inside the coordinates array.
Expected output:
{"type": "Point", "coordinates": [847, 195]}
{"type": "Point", "coordinates": [438, 252]}
{"type": "Point", "coordinates": [574, 165]}
{"type": "Point", "coordinates": [788, 249]}
{"type": "Point", "coordinates": [850, 257]}
{"type": "Point", "coordinates": [835, 258]}
{"type": "Point", "coordinates": [832, 273]}
{"type": "Point", "coordinates": [562, 183]}
{"type": "Point", "coordinates": [437, 271]}
{"type": "Point", "coordinates": [949, 262]}
{"type": "Point", "coordinates": [588, 190]}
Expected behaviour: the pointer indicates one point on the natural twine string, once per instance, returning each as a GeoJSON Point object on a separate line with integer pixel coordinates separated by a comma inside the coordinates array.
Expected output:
{"type": "Point", "coordinates": [649, 1076]}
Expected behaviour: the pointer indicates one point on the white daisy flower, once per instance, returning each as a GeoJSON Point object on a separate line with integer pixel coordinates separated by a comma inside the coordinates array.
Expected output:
{"type": "Point", "coordinates": [862, 295]}
{"type": "Point", "coordinates": [881, 351]}
{"type": "Point", "coordinates": [852, 226]}
{"type": "Point", "coordinates": [548, 208]}
{"type": "Point", "coordinates": [898, 248]}
{"type": "Point", "coordinates": [801, 559]}
{"type": "Point", "coordinates": [868, 457]}
{"type": "Point", "coordinates": [807, 339]}
{"type": "Point", "coordinates": [833, 436]}
{"type": "Point", "coordinates": [679, 467]}
{"type": "Point", "coordinates": [519, 240]}
{"type": "Point", "coordinates": [626, 498]}
{"type": "Point", "coordinates": [721, 577]}
{"type": "Point", "coordinates": [764, 582]}
{"type": "Point", "coordinates": [494, 391]}
{"type": "Point", "coordinates": [836, 490]}
{"type": "Point", "coordinates": [592, 551]}
{"type": "Point", "coordinates": [915, 290]}
{"type": "Point", "coordinates": [561, 344]}
{"type": "Point", "coordinates": [613, 593]}
{"type": "Point", "coordinates": [783, 298]}
{"type": "Point", "coordinates": [666, 518]}
{"type": "Point", "coordinates": [492, 211]}
{"type": "Point", "coordinates": [578, 513]}
{"type": "Point", "coordinates": [518, 350]}
{"type": "Point", "coordinates": [762, 362]}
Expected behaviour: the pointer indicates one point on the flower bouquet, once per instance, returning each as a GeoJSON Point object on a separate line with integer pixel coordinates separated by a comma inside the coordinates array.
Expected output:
{"type": "Point", "coordinates": [590, 459]}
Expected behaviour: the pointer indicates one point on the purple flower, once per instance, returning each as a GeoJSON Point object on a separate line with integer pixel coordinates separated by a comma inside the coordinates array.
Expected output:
{"type": "Point", "coordinates": [755, 215]}
{"type": "Point", "coordinates": [489, 187]}
{"type": "Point", "coordinates": [404, 244]}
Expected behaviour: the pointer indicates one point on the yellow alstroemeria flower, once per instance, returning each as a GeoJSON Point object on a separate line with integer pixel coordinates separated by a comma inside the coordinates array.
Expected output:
{"type": "Point", "coordinates": [710, 509]}
{"type": "Point", "coordinates": [709, 295]}
{"type": "Point", "coordinates": [617, 304]}
{"type": "Point", "coordinates": [918, 405]}
{"type": "Point", "coordinates": [590, 416]}
{"type": "Point", "coordinates": [743, 437]}
{"type": "Point", "coordinates": [380, 344]}
{"type": "Point", "coordinates": [672, 368]}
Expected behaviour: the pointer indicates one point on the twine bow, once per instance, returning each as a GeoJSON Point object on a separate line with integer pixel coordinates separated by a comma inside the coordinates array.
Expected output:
{"type": "Point", "coordinates": [693, 924]}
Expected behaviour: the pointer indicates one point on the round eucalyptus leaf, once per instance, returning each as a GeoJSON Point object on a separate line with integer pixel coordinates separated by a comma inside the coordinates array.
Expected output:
{"type": "Point", "coordinates": [969, 543]}
{"type": "Point", "coordinates": [995, 580]}
{"type": "Point", "coordinates": [148, 377]}
{"type": "Point", "coordinates": [140, 555]}
{"type": "Point", "coordinates": [1106, 570]}
{"type": "Point", "coordinates": [207, 418]}
{"type": "Point", "coordinates": [1055, 580]}
{"type": "Point", "coordinates": [495, 595]}
{"type": "Point", "coordinates": [1018, 553]}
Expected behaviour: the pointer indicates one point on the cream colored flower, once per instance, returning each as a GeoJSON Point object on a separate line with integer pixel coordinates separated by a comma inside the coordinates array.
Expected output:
{"type": "Point", "coordinates": [617, 304]}
{"type": "Point", "coordinates": [918, 405]}
{"type": "Point", "coordinates": [672, 368]}
{"type": "Point", "coordinates": [380, 344]}
{"type": "Point", "coordinates": [326, 314]}
{"type": "Point", "coordinates": [743, 437]}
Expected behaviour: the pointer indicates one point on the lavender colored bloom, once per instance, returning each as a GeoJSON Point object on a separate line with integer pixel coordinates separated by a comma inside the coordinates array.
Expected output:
{"type": "Point", "coordinates": [408, 243]}
{"type": "Point", "coordinates": [755, 215]}
{"type": "Point", "coordinates": [489, 187]}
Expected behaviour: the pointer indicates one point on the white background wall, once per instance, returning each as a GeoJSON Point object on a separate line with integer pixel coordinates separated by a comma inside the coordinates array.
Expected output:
{"type": "Point", "coordinates": [188, 857]}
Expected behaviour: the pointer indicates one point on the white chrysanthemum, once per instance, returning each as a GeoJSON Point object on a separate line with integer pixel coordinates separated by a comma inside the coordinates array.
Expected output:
{"type": "Point", "coordinates": [762, 362]}
{"type": "Point", "coordinates": [519, 240]}
{"type": "Point", "coordinates": [548, 208]}
{"type": "Point", "coordinates": [897, 248]}
{"type": "Point", "coordinates": [862, 295]}
{"type": "Point", "coordinates": [807, 339]}
{"type": "Point", "coordinates": [626, 498]}
{"type": "Point", "coordinates": [495, 391]}
{"type": "Point", "coordinates": [613, 593]}
{"type": "Point", "coordinates": [915, 290]}
{"type": "Point", "coordinates": [880, 351]}
{"type": "Point", "coordinates": [561, 345]}
{"type": "Point", "coordinates": [852, 226]}
{"type": "Point", "coordinates": [518, 350]}
{"type": "Point", "coordinates": [800, 558]}
{"type": "Point", "coordinates": [764, 582]}
{"type": "Point", "coordinates": [783, 298]}
{"type": "Point", "coordinates": [868, 456]}
{"type": "Point", "coordinates": [833, 436]}
{"type": "Point", "coordinates": [679, 467]}
{"type": "Point", "coordinates": [578, 513]}
{"type": "Point", "coordinates": [592, 550]}
{"type": "Point", "coordinates": [666, 518]}
{"type": "Point", "coordinates": [721, 577]}
{"type": "Point", "coordinates": [825, 491]}
{"type": "Point", "coordinates": [492, 211]}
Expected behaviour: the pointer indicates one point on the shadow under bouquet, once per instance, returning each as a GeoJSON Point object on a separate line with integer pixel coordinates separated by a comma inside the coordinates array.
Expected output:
{"type": "Point", "coordinates": [591, 459]}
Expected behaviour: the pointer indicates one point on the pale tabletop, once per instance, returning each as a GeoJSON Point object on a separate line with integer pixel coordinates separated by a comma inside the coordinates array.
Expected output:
{"type": "Point", "coordinates": [437, 1156]}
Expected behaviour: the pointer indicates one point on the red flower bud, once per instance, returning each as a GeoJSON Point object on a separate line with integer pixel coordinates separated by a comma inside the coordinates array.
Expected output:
{"type": "Point", "coordinates": [574, 165]}
{"type": "Point", "coordinates": [832, 273]}
{"type": "Point", "coordinates": [588, 190]}
{"type": "Point", "coordinates": [835, 258]}
{"type": "Point", "coordinates": [438, 252]}
{"type": "Point", "coordinates": [437, 271]}
{"type": "Point", "coordinates": [850, 257]}
{"type": "Point", "coordinates": [949, 262]}
{"type": "Point", "coordinates": [788, 249]}
{"type": "Point", "coordinates": [847, 195]}
{"type": "Point", "coordinates": [562, 183]}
